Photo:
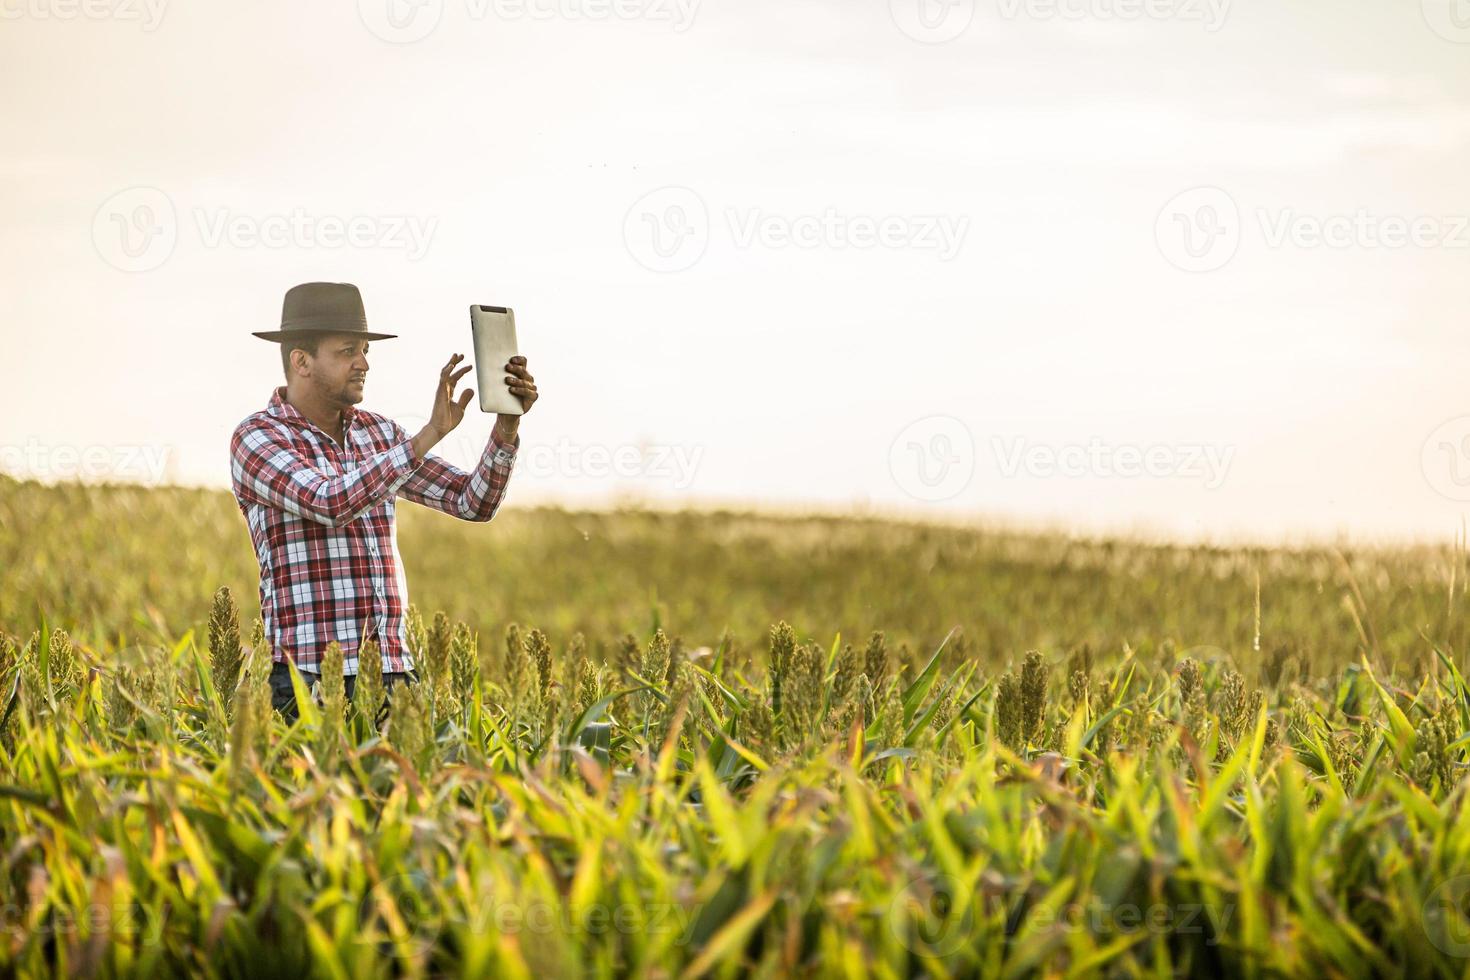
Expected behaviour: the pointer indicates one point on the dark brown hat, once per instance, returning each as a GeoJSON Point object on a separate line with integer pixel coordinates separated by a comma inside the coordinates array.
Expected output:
{"type": "Point", "coordinates": [323, 307]}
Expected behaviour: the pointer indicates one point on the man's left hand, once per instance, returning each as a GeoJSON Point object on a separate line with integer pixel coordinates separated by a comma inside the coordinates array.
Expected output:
{"type": "Point", "coordinates": [523, 386]}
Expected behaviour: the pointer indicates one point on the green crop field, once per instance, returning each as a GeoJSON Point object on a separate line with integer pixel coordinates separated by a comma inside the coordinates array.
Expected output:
{"type": "Point", "coordinates": [689, 745]}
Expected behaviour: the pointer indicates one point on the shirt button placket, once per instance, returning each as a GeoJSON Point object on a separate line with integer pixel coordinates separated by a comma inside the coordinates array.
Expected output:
{"type": "Point", "coordinates": [377, 564]}
{"type": "Point", "coordinates": [375, 560]}
{"type": "Point", "coordinates": [377, 576]}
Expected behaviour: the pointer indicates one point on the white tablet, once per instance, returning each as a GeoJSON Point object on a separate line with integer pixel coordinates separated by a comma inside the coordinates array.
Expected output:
{"type": "Point", "coordinates": [494, 329]}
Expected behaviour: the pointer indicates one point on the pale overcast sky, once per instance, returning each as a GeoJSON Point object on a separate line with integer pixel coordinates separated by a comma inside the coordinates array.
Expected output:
{"type": "Point", "coordinates": [1189, 266]}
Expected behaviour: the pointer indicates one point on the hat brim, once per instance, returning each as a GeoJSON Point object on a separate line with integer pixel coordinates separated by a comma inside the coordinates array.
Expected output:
{"type": "Point", "coordinates": [279, 335]}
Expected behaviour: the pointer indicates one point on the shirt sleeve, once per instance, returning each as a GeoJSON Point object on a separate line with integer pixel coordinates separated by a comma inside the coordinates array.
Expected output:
{"type": "Point", "coordinates": [472, 496]}
{"type": "Point", "coordinates": [267, 468]}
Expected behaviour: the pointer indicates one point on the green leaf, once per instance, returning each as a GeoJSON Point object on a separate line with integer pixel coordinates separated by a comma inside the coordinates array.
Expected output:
{"type": "Point", "coordinates": [916, 691]}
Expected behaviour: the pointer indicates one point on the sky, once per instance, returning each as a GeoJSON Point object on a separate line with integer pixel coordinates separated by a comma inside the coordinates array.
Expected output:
{"type": "Point", "coordinates": [1190, 268]}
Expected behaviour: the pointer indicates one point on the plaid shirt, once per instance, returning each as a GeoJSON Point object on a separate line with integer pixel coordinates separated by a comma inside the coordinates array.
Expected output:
{"type": "Point", "coordinates": [322, 521]}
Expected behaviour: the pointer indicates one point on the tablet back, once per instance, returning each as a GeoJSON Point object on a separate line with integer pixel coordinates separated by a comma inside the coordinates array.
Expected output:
{"type": "Point", "coordinates": [494, 329]}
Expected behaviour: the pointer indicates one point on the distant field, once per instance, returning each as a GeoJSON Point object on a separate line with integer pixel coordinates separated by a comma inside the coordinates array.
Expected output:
{"type": "Point", "coordinates": [715, 744]}
{"type": "Point", "coordinates": [106, 562]}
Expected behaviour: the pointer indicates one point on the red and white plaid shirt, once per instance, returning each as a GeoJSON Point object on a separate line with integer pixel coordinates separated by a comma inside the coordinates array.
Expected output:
{"type": "Point", "coordinates": [322, 520]}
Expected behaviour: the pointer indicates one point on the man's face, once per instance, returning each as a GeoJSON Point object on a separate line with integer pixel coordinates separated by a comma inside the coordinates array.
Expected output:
{"type": "Point", "coordinates": [338, 371]}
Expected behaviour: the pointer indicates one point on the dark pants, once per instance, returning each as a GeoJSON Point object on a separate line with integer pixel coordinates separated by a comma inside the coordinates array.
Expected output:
{"type": "Point", "coordinates": [283, 695]}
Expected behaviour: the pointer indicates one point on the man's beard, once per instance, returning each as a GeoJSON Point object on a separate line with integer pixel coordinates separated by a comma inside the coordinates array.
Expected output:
{"type": "Point", "coordinates": [350, 394]}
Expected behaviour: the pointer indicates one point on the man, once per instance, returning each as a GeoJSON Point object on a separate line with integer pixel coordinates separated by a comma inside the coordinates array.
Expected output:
{"type": "Point", "coordinates": [317, 479]}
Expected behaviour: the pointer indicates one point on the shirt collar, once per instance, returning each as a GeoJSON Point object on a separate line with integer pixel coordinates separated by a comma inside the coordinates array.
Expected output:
{"type": "Point", "coordinates": [282, 409]}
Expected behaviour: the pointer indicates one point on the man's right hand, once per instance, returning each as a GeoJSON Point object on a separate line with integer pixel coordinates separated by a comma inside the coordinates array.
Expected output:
{"type": "Point", "coordinates": [448, 411]}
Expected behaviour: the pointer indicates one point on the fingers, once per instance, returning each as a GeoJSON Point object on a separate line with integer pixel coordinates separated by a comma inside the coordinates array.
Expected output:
{"type": "Point", "coordinates": [520, 381]}
{"type": "Point", "coordinates": [449, 377]}
{"type": "Point", "coordinates": [464, 398]}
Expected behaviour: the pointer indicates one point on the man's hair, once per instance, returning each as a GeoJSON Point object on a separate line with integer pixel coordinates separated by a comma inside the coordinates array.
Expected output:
{"type": "Point", "coordinates": [307, 342]}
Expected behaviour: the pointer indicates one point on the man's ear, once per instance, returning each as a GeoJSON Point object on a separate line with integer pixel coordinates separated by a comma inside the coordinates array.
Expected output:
{"type": "Point", "coordinates": [300, 362]}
